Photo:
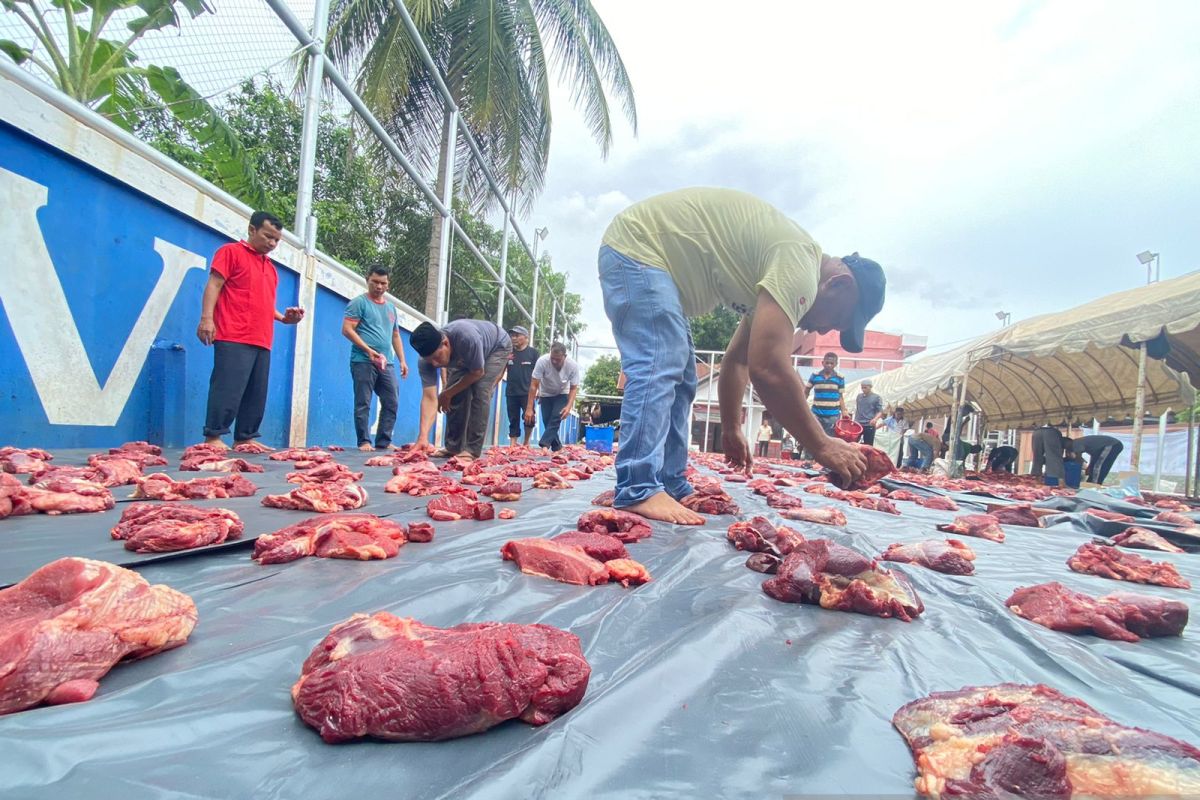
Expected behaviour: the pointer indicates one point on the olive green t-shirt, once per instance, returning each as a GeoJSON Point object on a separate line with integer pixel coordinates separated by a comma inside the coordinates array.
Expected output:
{"type": "Point", "coordinates": [721, 247]}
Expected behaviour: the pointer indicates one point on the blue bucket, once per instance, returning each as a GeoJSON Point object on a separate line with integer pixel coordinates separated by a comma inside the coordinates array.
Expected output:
{"type": "Point", "coordinates": [1073, 473]}
{"type": "Point", "coordinates": [598, 439]}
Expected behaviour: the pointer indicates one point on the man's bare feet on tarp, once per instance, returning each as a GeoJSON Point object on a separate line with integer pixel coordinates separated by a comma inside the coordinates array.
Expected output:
{"type": "Point", "coordinates": [662, 506]}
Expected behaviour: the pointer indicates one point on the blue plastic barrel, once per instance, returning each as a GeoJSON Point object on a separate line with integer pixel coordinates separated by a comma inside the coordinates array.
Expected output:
{"type": "Point", "coordinates": [1073, 473]}
{"type": "Point", "coordinates": [598, 439]}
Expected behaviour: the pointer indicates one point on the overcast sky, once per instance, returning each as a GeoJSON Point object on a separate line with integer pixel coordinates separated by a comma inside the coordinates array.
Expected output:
{"type": "Point", "coordinates": [1003, 156]}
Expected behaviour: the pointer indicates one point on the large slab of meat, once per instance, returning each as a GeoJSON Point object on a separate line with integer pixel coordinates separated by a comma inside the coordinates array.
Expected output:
{"type": "Point", "coordinates": [949, 556]}
{"type": "Point", "coordinates": [461, 504]}
{"type": "Point", "coordinates": [1109, 562]}
{"type": "Point", "coordinates": [625, 525]}
{"type": "Point", "coordinates": [66, 625]}
{"type": "Point", "coordinates": [303, 456]}
{"type": "Point", "coordinates": [137, 447]}
{"type": "Point", "coordinates": [161, 486]}
{"type": "Point", "coordinates": [1122, 616]}
{"type": "Point", "coordinates": [820, 516]}
{"type": "Point", "coordinates": [419, 480]}
{"type": "Point", "coordinates": [323, 498]}
{"type": "Point", "coordinates": [879, 466]}
{"type": "Point", "coordinates": [352, 536]}
{"type": "Point", "coordinates": [1014, 741]}
{"type": "Point", "coordinates": [153, 528]}
{"type": "Point", "coordinates": [1174, 518]}
{"type": "Point", "coordinates": [503, 492]}
{"type": "Point", "coordinates": [551, 479]}
{"type": "Point", "coordinates": [252, 448]}
{"type": "Point", "coordinates": [213, 458]}
{"type": "Point", "coordinates": [1143, 539]}
{"type": "Point", "coordinates": [821, 572]}
{"type": "Point", "coordinates": [937, 502]}
{"type": "Point", "coordinates": [107, 471]}
{"type": "Point", "coordinates": [1111, 516]}
{"type": "Point", "coordinates": [569, 563]}
{"type": "Point", "coordinates": [710, 500]}
{"type": "Point", "coordinates": [599, 546]}
{"type": "Point", "coordinates": [398, 679]}
{"type": "Point", "coordinates": [57, 496]}
{"type": "Point", "coordinates": [325, 472]}
{"type": "Point", "coordinates": [18, 461]}
{"type": "Point", "coordinates": [143, 454]}
{"type": "Point", "coordinates": [982, 526]}
{"type": "Point", "coordinates": [1022, 515]}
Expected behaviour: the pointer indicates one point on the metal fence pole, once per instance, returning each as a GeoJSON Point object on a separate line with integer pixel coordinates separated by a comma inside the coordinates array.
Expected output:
{"type": "Point", "coordinates": [712, 359]}
{"type": "Point", "coordinates": [443, 265]}
{"type": "Point", "coordinates": [1162, 445]}
{"type": "Point", "coordinates": [306, 223]}
{"type": "Point", "coordinates": [500, 319]}
{"type": "Point", "coordinates": [1139, 411]}
{"type": "Point", "coordinates": [553, 317]}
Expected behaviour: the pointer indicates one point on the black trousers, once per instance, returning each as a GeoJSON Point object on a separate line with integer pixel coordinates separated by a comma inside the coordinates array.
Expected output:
{"type": "Point", "coordinates": [868, 434]}
{"type": "Point", "coordinates": [466, 424]}
{"type": "Point", "coordinates": [368, 381]}
{"type": "Point", "coordinates": [515, 403]}
{"type": "Point", "coordinates": [552, 407]}
{"type": "Point", "coordinates": [762, 449]}
{"type": "Point", "coordinates": [1101, 464]}
{"type": "Point", "coordinates": [237, 390]}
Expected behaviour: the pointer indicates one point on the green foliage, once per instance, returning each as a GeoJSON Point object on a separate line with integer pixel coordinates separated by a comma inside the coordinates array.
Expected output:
{"type": "Point", "coordinates": [601, 377]}
{"type": "Point", "coordinates": [713, 331]}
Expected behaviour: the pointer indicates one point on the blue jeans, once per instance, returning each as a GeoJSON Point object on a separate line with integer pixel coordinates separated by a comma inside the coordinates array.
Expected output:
{"type": "Point", "coordinates": [920, 455]}
{"type": "Point", "coordinates": [552, 408]}
{"type": "Point", "coordinates": [659, 362]}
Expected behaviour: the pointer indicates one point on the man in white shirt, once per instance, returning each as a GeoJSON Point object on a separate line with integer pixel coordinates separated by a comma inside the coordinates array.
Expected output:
{"type": "Point", "coordinates": [554, 384]}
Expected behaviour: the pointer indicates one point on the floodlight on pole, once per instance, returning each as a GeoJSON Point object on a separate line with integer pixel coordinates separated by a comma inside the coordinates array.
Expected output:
{"type": "Point", "coordinates": [1146, 258]}
{"type": "Point", "coordinates": [1005, 318]}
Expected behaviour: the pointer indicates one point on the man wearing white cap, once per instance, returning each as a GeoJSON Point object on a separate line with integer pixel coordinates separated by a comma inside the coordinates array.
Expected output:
{"type": "Point", "coordinates": [868, 411]}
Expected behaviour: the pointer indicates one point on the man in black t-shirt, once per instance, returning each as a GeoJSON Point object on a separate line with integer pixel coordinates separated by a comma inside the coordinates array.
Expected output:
{"type": "Point", "coordinates": [520, 370]}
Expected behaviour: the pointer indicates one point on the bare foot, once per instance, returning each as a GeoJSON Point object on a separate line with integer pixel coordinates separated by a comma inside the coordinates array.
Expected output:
{"type": "Point", "coordinates": [216, 440]}
{"type": "Point", "coordinates": [365, 447]}
{"type": "Point", "coordinates": [663, 507]}
{"type": "Point", "coordinates": [464, 456]}
{"type": "Point", "coordinates": [443, 453]}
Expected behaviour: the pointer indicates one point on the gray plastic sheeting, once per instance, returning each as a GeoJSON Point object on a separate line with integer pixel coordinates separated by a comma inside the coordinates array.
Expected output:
{"type": "Point", "coordinates": [701, 686]}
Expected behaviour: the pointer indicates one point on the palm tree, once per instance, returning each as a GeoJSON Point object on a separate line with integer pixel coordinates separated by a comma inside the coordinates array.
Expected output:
{"type": "Point", "coordinates": [494, 55]}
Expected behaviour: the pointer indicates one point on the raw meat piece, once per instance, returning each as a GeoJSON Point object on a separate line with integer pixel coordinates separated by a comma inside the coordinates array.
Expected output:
{"type": "Point", "coordinates": [56, 496]}
{"type": "Point", "coordinates": [716, 504]}
{"type": "Point", "coordinates": [736, 477]}
{"type": "Point", "coordinates": [1143, 539]}
{"type": "Point", "coordinates": [506, 513]}
{"type": "Point", "coordinates": [67, 624]}
{"type": "Point", "coordinates": [143, 458]}
{"type": "Point", "coordinates": [1016, 515]}
{"type": "Point", "coordinates": [419, 482]}
{"type": "Point", "coordinates": [762, 486]}
{"type": "Point", "coordinates": [605, 498]}
{"type": "Point", "coordinates": [984, 526]}
{"type": "Point", "coordinates": [252, 448]}
{"type": "Point", "coordinates": [950, 556]}
{"type": "Point", "coordinates": [450, 507]}
{"type": "Point", "coordinates": [1172, 505]}
{"type": "Point", "coordinates": [783, 500]}
{"type": "Point", "coordinates": [1109, 562]}
{"type": "Point", "coordinates": [575, 473]}
{"type": "Point", "coordinates": [136, 447]}
{"type": "Point", "coordinates": [352, 536]}
{"type": "Point", "coordinates": [551, 480]}
{"type": "Point", "coordinates": [1174, 518]}
{"type": "Point", "coordinates": [904, 494]}
{"type": "Point", "coordinates": [821, 516]}
{"type": "Point", "coordinates": [763, 562]}
{"type": "Point", "coordinates": [17, 461]}
{"type": "Point", "coordinates": [880, 504]}
{"type": "Point", "coordinates": [599, 546]}
{"type": "Point", "coordinates": [1014, 741]}
{"type": "Point", "coordinates": [421, 532]}
{"type": "Point", "coordinates": [325, 472]}
{"type": "Point", "coordinates": [335, 448]}
{"type": "Point", "coordinates": [110, 471]}
{"type": "Point", "coordinates": [1122, 616]}
{"type": "Point", "coordinates": [211, 458]}
{"type": "Point", "coordinates": [152, 528]}
{"type": "Point", "coordinates": [938, 502]}
{"type": "Point", "coordinates": [626, 571]}
{"type": "Point", "coordinates": [483, 511]}
{"type": "Point", "coordinates": [625, 525]}
{"type": "Point", "coordinates": [506, 492]}
{"type": "Point", "coordinates": [787, 539]}
{"type": "Point", "coordinates": [753, 536]}
{"type": "Point", "coordinates": [878, 466]}
{"type": "Point", "coordinates": [323, 498]}
{"type": "Point", "coordinates": [161, 486]}
{"type": "Point", "coordinates": [380, 461]}
{"type": "Point", "coordinates": [560, 562]}
{"type": "Point", "coordinates": [397, 679]}
{"type": "Point", "coordinates": [479, 478]}
{"type": "Point", "coordinates": [302, 455]}
{"type": "Point", "coordinates": [1111, 516]}
{"type": "Point", "coordinates": [824, 573]}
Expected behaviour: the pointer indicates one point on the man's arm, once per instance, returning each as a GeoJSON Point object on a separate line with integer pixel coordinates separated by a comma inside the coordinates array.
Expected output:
{"type": "Point", "coordinates": [566, 412]}
{"type": "Point", "coordinates": [207, 329]}
{"type": "Point", "coordinates": [350, 331]}
{"type": "Point", "coordinates": [429, 402]}
{"type": "Point", "coordinates": [731, 392]}
{"type": "Point", "coordinates": [534, 384]}
{"type": "Point", "coordinates": [398, 348]}
{"type": "Point", "coordinates": [458, 387]}
{"type": "Point", "coordinates": [770, 368]}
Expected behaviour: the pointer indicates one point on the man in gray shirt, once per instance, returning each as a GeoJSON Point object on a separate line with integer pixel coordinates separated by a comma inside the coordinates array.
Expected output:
{"type": "Point", "coordinates": [555, 383]}
{"type": "Point", "coordinates": [474, 353]}
{"type": "Point", "coordinates": [868, 410]}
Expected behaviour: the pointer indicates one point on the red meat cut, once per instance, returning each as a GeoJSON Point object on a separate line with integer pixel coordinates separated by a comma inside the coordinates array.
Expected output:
{"type": "Point", "coordinates": [715, 503]}
{"type": "Point", "coordinates": [506, 513]}
{"type": "Point", "coordinates": [820, 516]}
{"type": "Point", "coordinates": [938, 502]}
{"type": "Point", "coordinates": [821, 572]}
{"type": "Point", "coordinates": [351, 536]}
{"type": "Point", "coordinates": [551, 480]}
{"type": "Point", "coordinates": [325, 472]}
{"type": "Point", "coordinates": [400, 680]}
{"type": "Point", "coordinates": [148, 456]}
{"type": "Point", "coordinates": [605, 498]}
{"type": "Point", "coordinates": [303, 456]}
{"type": "Point", "coordinates": [66, 625]}
{"type": "Point", "coordinates": [420, 532]}
{"type": "Point", "coordinates": [152, 528]}
{"type": "Point", "coordinates": [983, 526]}
{"type": "Point", "coordinates": [879, 466]}
{"type": "Point", "coordinates": [460, 505]}
{"type": "Point", "coordinates": [754, 535]}
{"type": "Point", "coordinates": [1144, 539]}
{"type": "Point", "coordinates": [505, 492]}
{"type": "Point", "coordinates": [625, 525]}
{"type": "Point", "coordinates": [420, 480]}
{"type": "Point", "coordinates": [58, 496]}
{"type": "Point", "coordinates": [950, 556]}
{"type": "Point", "coordinates": [1109, 562]}
{"type": "Point", "coordinates": [1123, 616]}
{"type": "Point", "coordinates": [18, 461]}
{"type": "Point", "coordinates": [212, 458]}
{"type": "Point", "coordinates": [1014, 741]}
{"type": "Point", "coordinates": [1111, 516]}
{"type": "Point", "coordinates": [161, 486]}
{"type": "Point", "coordinates": [626, 571]}
{"type": "Point", "coordinates": [323, 498]}
{"type": "Point", "coordinates": [1021, 515]}
{"type": "Point", "coordinates": [108, 471]}
{"type": "Point", "coordinates": [136, 447]}
{"type": "Point", "coordinates": [1174, 518]}
{"type": "Point", "coordinates": [252, 448]}
{"type": "Point", "coordinates": [782, 500]}
{"type": "Point", "coordinates": [554, 560]}
{"type": "Point", "coordinates": [881, 504]}
{"type": "Point", "coordinates": [599, 546]}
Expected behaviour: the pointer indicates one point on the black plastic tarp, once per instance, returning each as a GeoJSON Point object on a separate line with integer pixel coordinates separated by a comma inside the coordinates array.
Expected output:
{"type": "Point", "coordinates": [702, 686]}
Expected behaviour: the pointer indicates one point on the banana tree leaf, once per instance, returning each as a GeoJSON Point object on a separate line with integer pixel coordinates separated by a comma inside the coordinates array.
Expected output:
{"type": "Point", "coordinates": [15, 51]}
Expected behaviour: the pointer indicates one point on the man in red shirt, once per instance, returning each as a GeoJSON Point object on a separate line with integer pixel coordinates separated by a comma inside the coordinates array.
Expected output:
{"type": "Point", "coordinates": [237, 317]}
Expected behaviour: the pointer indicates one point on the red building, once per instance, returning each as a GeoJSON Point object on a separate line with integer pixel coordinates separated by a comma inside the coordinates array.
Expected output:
{"type": "Point", "coordinates": [881, 351]}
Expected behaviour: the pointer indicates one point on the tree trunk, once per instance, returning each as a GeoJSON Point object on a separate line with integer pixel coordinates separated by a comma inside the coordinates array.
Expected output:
{"type": "Point", "coordinates": [435, 233]}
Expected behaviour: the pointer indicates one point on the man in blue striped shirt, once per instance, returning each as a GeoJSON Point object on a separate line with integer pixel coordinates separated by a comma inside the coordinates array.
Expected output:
{"type": "Point", "coordinates": [825, 390]}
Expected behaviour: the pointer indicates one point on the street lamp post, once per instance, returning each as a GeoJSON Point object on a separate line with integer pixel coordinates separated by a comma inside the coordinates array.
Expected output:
{"type": "Point", "coordinates": [538, 235]}
{"type": "Point", "coordinates": [1146, 257]}
{"type": "Point", "coordinates": [1004, 317]}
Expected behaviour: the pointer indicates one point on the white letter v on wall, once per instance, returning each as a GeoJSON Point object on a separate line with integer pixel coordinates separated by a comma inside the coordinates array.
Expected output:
{"type": "Point", "coordinates": [46, 332]}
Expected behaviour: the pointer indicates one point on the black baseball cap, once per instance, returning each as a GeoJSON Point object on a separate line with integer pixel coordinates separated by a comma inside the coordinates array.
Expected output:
{"type": "Point", "coordinates": [871, 284]}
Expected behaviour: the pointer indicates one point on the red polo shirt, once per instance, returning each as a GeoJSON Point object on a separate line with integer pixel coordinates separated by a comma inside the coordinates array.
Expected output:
{"type": "Point", "coordinates": [245, 311]}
